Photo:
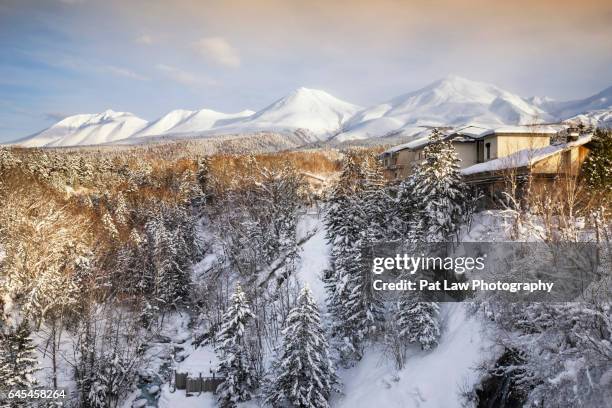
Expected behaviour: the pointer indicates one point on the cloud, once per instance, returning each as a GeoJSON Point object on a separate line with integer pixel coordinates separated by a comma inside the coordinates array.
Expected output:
{"type": "Point", "coordinates": [85, 65]}
{"type": "Point", "coordinates": [144, 39]}
{"type": "Point", "coordinates": [123, 72]}
{"type": "Point", "coordinates": [218, 50]}
{"type": "Point", "coordinates": [184, 77]}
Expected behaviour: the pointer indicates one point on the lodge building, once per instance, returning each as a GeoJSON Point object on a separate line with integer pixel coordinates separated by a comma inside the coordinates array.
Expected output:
{"type": "Point", "coordinates": [488, 155]}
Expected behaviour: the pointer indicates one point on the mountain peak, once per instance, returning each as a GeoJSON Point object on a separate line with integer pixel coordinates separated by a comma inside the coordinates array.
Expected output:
{"type": "Point", "coordinates": [303, 92]}
{"type": "Point", "coordinates": [454, 78]}
{"type": "Point", "coordinates": [87, 129]}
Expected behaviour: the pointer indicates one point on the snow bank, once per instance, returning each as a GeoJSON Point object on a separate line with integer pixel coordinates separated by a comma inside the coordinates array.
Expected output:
{"type": "Point", "coordinates": [430, 379]}
{"type": "Point", "coordinates": [314, 258]}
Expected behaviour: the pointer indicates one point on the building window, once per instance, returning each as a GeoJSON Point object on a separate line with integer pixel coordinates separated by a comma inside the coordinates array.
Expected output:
{"type": "Point", "coordinates": [479, 151]}
{"type": "Point", "coordinates": [488, 149]}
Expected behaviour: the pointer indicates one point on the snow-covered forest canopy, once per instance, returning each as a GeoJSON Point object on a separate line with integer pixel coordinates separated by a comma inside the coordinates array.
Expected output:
{"type": "Point", "coordinates": [120, 268]}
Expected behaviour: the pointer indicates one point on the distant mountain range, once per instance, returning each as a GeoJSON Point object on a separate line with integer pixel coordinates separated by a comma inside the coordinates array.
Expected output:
{"type": "Point", "coordinates": [318, 117]}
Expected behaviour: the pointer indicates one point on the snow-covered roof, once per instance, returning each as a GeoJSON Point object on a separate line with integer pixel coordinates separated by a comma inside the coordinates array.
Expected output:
{"type": "Point", "coordinates": [424, 141]}
{"type": "Point", "coordinates": [523, 158]}
{"type": "Point", "coordinates": [413, 144]}
{"type": "Point", "coordinates": [527, 129]}
{"type": "Point", "coordinates": [474, 131]}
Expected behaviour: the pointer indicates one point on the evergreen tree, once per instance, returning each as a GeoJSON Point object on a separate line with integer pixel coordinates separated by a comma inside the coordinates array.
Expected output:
{"type": "Point", "coordinates": [355, 221]}
{"type": "Point", "coordinates": [340, 285]}
{"type": "Point", "coordinates": [405, 210]}
{"type": "Point", "coordinates": [439, 192]}
{"type": "Point", "coordinates": [18, 358]}
{"type": "Point", "coordinates": [235, 365]}
{"type": "Point", "coordinates": [375, 202]}
{"type": "Point", "coordinates": [418, 322]}
{"type": "Point", "coordinates": [303, 375]}
{"type": "Point", "coordinates": [341, 210]}
{"type": "Point", "coordinates": [597, 168]}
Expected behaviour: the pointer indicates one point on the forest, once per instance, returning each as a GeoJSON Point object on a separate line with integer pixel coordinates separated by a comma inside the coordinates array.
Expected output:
{"type": "Point", "coordinates": [117, 267]}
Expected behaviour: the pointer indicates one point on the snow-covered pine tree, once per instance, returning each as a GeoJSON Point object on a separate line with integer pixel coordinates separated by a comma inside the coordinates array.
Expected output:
{"type": "Point", "coordinates": [438, 191]}
{"type": "Point", "coordinates": [339, 286]}
{"type": "Point", "coordinates": [405, 210]}
{"type": "Point", "coordinates": [356, 309]}
{"type": "Point", "coordinates": [171, 245]}
{"type": "Point", "coordinates": [342, 228]}
{"type": "Point", "coordinates": [419, 323]}
{"type": "Point", "coordinates": [375, 202]}
{"type": "Point", "coordinates": [162, 248]}
{"type": "Point", "coordinates": [18, 361]}
{"type": "Point", "coordinates": [356, 220]}
{"type": "Point", "coordinates": [597, 168]}
{"type": "Point", "coordinates": [303, 376]}
{"type": "Point", "coordinates": [235, 365]}
{"type": "Point", "coordinates": [341, 208]}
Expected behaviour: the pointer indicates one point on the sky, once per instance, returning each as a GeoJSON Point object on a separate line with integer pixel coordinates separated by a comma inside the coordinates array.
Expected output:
{"type": "Point", "coordinates": [62, 57]}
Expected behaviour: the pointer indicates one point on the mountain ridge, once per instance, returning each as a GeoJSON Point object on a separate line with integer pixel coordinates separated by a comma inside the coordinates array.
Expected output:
{"type": "Point", "coordinates": [320, 117]}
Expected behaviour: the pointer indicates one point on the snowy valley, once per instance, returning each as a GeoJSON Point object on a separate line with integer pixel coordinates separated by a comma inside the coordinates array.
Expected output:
{"type": "Point", "coordinates": [163, 278]}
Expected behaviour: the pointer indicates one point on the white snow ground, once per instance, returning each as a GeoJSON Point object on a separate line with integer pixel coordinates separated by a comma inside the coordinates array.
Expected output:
{"type": "Point", "coordinates": [314, 258]}
{"type": "Point", "coordinates": [430, 379]}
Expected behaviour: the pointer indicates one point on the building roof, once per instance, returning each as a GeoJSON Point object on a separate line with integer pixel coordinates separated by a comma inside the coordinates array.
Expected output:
{"type": "Point", "coordinates": [528, 129]}
{"type": "Point", "coordinates": [523, 158]}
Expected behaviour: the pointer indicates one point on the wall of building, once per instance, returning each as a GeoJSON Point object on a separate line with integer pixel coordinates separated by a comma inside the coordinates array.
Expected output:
{"type": "Point", "coordinates": [467, 154]}
{"type": "Point", "coordinates": [566, 162]}
{"type": "Point", "coordinates": [505, 145]}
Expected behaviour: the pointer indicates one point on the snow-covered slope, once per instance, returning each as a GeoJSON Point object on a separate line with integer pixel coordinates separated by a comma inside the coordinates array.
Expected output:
{"type": "Point", "coordinates": [597, 118]}
{"type": "Point", "coordinates": [185, 121]}
{"type": "Point", "coordinates": [88, 129]}
{"type": "Point", "coordinates": [165, 123]}
{"type": "Point", "coordinates": [206, 119]}
{"type": "Point", "coordinates": [432, 379]}
{"type": "Point", "coordinates": [598, 102]}
{"type": "Point", "coordinates": [447, 102]}
{"type": "Point", "coordinates": [310, 109]}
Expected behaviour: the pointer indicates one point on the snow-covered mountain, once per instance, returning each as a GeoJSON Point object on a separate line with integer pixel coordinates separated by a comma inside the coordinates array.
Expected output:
{"type": "Point", "coordinates": [451, 101]}
{"type": "Point", "coordinates": [165, 123]}
{"type": "Point", "coordinates": [310, 109]}
{"type": "Point", "coordinates": [597, 118]}
{"type": "Point", "coordinates": [87, 129]}
{"type": "Point", "coordinates": [184, 121]}
{"type": "Point", "coordinates": [598, 102]}
{"type": "Point", "coordinates": [315, 115]}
